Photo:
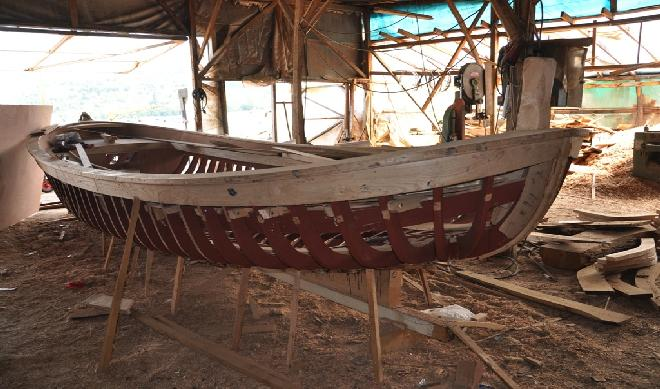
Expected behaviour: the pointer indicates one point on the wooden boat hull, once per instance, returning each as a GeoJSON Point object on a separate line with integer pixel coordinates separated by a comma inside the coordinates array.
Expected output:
{"type": "Point", "coordinates": [205, 200]}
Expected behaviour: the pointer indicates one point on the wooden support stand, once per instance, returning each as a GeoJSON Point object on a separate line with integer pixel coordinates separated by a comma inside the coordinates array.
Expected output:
{"type": "Point", "coordinates": [293, 319]}
{"type": "Point", "coordinates": [108, 253]}
{"type": "Point", "coordinates": [374, 326]}
{"type": "Point", "coordinates": [176, 290]}
{"type": "Point", "coordinates": [241, 300]}
{"type": "Point", "coordinates": [111, 326]}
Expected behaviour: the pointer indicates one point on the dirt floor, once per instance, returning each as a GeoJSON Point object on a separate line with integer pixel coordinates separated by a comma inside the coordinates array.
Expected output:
{"type": "Point", "coordinates": [40, 347]}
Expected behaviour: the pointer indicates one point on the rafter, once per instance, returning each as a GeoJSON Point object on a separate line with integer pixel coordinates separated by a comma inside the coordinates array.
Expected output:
{"type": "Point", "coordinates": [172, 15]}
{"type": "Point", "coordinates": [465, 30]}
{"type": "Point", "coordinates": [210, 28]}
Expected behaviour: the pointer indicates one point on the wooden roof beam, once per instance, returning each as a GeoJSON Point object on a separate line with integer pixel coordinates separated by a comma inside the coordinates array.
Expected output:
{"type": "Point", "coordinates": [210, 27]}
{"type": "Point", "coordinates": [567, 18]}
{"type": "Point", "coordinates": [389, 11]}
{"type": "Point", "coordinates": [466, 32]}
{"type": "Point", "coordinates": [73, 13]}
{"type": "Point", "coordinates": [511, 22]}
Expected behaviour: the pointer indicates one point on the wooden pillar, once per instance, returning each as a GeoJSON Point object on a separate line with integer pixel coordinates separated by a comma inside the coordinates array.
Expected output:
{"type": "Point", "coordinates": [593, 45]}
{"type": "Point", "coordinates": [491, 91]}
{"type": "Point", "coordinates": [293, 319]}
{"type": "Point", "coordinates": [296, 83]}
{"type": "Point", "coordinates": [347, 111]}
{"type": "Point", "coordinates": [113, 317]}
{"type": "Point", "coordinates": [194, 60]}
{"type": "Point", "coordinates": [176, 289]}
{"type": "Point", "coordinates": [374, 325]}
{"type": "Point", "coordinates": [222, 107]}
{"type": "Point", "coordinates": [639, 116]}
{"type": "Point", "coordinates": [368, 109]}
{"type": "Point", "coordinates": [274, 108]}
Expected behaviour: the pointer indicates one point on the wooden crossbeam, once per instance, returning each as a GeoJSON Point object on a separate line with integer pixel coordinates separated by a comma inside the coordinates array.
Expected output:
{"type": "Point", "coordinates": [172, 15]}
{"type": "Point", "coordinates": [210, 28]}
{"type": "Point", "coordinates": [53, 49]}
{"type": "Point", "coordinates": [466, 32]}
{"type": "Point", "coordinates": [567, 18]}
{"type": "Point", "coordinates": [389, 11]}
{"type": "Point", "coordinates": [391, 37]}
{"type": "Point", "coordinates": [454, 58]}
{"type": "Point", "coordinates": [113, 317]}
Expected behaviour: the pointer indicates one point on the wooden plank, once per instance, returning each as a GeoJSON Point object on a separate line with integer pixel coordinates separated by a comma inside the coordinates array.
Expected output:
{"type": "Point", "coordinates": [621, 286]}
{"type": "Point", "coordinates": [604, 216]}
{"type": "Point", "coordinates": [540, 237]}
{"type": "Point", "coordinates": [591, 280]}
{"type": "Point", "coordinates": [176, 289]}
{"type": "Point", "coordinates": [488, 360]}
{"type": "Point", "coordinates": [241, 300]}
{"type": "Point", "coordinates": [293, 320]}
{"type": "Point", "coordinates": [413, 320]}
{"type": "Point", "coordinates": [374, 326]}
{"type": "Point", "coordinates": [594, 225]}
{"type": "Point", "coordinates": [111, 324]}
{"type": "Point", "coordinates": [82, 154]}
{"type": "Point", "coordinates": [388, 284]}
{"type": "Point", "coordinates": [425, 285]}
{"type": "Point", "coordinates": [231, 359]}
{"type": "Point", "coordinates": [578, 308]}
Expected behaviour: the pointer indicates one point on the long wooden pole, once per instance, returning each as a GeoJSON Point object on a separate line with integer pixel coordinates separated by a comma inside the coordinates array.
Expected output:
{"type": "Point", "coordinates": [293, 319]}
{"type": "Point", "coordinates": [176, 289]}
{"type": "Point", "coordinates": [296, 86]}
{"type": "Point", "coordinates": [111, 324]}
{"type": "Point", "coordinates": [194, 61]}
{"type": "Point", "coordinates": [374, 325]}
{"type": "Point", "coordinates": [492, 92]}
{"type": "Point", "coordinates": [241, 300]}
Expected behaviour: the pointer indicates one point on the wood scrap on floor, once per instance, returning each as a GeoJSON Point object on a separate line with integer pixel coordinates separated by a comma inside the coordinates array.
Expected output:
{"type": "Point", "coordinates": [546, 299]}
{"type": "Point", "coordinates": [591, 280]}
{"type": "Point", "coordinates": [643, 255]}
{"type": "Point", "coordinates": [625, 288]}
{"type": "Point", "coordinates": [603, 216]}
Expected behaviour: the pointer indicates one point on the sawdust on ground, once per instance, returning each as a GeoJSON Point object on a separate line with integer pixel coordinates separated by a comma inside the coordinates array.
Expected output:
{"type": "Point", "coordinates": [40, 347]}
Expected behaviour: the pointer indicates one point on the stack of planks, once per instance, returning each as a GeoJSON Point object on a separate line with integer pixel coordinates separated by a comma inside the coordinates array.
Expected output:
{"type": "Point", "coordinates": [641, 256]}
{"type": "Point", "coordinates": [632, 272]}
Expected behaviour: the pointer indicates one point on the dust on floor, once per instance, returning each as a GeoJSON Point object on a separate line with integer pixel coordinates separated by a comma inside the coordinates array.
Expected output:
{"type": "Point", "coordinates": [39, 347]}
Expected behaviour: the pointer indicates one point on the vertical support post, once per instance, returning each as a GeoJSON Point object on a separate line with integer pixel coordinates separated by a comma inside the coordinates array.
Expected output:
{"type": "Point", "coordinates": [296, 86]}
{"type": "Point", "coordinates": [425, 286]}
{"type": "Point", "coordinates": [368, 110]}
{"type": "Point", "coordinates": [147, 271]}
{"type": "Point", "coordinates": [293, 319]}
{"type": "Point", "coordinates": [639, 40]}
{"type": "Point", "coordinates": [274, 107]}
{"type": "Point", "coordinates": [374, 325]}
{"type": "Point", "coordinates": [108, 253]}
{"type": "Point", "coordinates": [639, 119]}
{"type": "Point", "coordinates": [347, 111]}
{"type": "Point", "coordinates": [103, 243]}
{"type": "Point", "coordinates": [594, 33]}
{"type": "Point", "coordinates": [176, 290]}
{"type": "Point", "coordinates": [113, 317]}
{"type": "Point", "coordinates": [222, 100]}
{"type": "Point", "coordinates": [194, 61]}
{"type": "Point", "coordinates": [241, 300]}
{"type": "Point", "coordinates": [492, 75]}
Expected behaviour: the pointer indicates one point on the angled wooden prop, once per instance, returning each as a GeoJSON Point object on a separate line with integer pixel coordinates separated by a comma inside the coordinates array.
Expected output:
{"type": "Point", "coordinates": [111, 324]}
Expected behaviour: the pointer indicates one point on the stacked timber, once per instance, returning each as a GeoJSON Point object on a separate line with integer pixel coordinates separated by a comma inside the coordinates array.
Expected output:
{"type": "Point", "coordinates": [643, 255]}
